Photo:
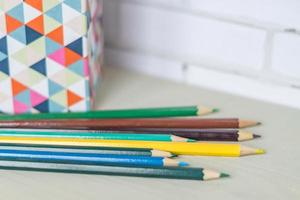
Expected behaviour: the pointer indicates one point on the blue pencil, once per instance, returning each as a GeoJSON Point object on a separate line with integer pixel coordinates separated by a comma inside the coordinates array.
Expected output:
{"type": "Point", "coordinates": [87, 158]}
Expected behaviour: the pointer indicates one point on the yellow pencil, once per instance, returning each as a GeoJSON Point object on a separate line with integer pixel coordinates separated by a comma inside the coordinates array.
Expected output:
{"type": "Point", "coordinates": [179, 148]}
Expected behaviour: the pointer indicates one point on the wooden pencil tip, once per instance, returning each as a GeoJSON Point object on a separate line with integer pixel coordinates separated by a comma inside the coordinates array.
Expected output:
{"type": "Point", "coordinates": [248, 123]}
{"type": "Point", "coordinates": [174, 163]}
{"type": "Point", "coordinates": [204, 110]}
{"type": "Point", "coordinates": [180, 139]}
{"type": "Point", "coordinates": [159, 153]}
{"type": "Point", "coordinates": [210, 174]}
{"type": "Point", "coordinates": [250, 151]}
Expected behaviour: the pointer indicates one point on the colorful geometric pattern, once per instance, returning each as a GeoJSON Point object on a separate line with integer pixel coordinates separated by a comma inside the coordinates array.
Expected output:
{"type": "Point", "coordinates": [50, 54]}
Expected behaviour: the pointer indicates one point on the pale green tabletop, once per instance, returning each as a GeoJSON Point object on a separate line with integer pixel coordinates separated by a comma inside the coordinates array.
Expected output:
{"type": "Point", "coordinates": [271, 176]}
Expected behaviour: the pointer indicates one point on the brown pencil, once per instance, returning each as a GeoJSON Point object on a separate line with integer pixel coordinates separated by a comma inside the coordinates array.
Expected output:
{"type": "Point", "coordinates": [125, 123]}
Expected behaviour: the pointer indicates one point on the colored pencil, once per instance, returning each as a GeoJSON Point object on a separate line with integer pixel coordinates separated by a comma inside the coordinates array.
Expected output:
{"type": "Point", "coordinates": [196, 134]}
{"type": "Point", "coordinates": [179, 111]}
{"type": "Point", "coordinates": [178, 148]}
{"type": "Point", "coordinates": [129, 123]}
{"type": "Point", "coordinates": [90, 149]}
{"type": "Point", "coordinates": [153, 172]}
{"type": "Point", "coordinates": [87, 158]}
{"type": "Point", "coordinates": [192, 134]}
{"type": "Point", "coordinates": [101, 136]}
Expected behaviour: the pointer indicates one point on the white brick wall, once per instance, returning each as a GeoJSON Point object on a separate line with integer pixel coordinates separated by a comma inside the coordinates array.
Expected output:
{"type": "Point", "coordinates": [151, 65]}
{"type": "Point", "coordinates": [184, 37]}
{"type": "Point", "coordinates": [281, 13]}
{"type": "Point", "coordinates": [253, 40]}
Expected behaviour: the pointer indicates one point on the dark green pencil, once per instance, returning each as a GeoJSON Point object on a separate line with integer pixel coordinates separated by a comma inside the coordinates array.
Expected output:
{"type": "Point", "coordinates": [123, 113]}
{"type": "Point", "coordinates": [153, 172]}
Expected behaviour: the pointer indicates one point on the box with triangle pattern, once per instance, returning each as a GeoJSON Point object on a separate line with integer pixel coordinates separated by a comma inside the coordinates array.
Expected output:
{"type": "Point", "coordinates": [50, 54]}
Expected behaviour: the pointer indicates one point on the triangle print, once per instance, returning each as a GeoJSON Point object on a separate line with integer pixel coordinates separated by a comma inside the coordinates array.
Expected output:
{"type": "Point", "coordinates": [45, 46]}
{"type": "Point", "coordinates": [40, 67]}
{"type": "Point", "coordinates": [57, 35]}
{"type": "Point", "coordinates": [4, 66]}
{"type": "Point", "coordinates": [23, 97]}
{"type": "Point", "coordinates": [37, 4]}
{"type": "Point", "coordinates": [65, 57]}
{"type": "Point", "coordinates": [12, 24]}
{"type": "Point", "coordinates": [31, 35]}
{"type": "Point", "coordinates": [30, 13]}
{"type": "Point", "coordinates": [36, 98]}
{"type": "Point", "coordinates": [17, 13]}
{"type": "Point", "coordinates": [20, 107]}
{"type": "Point", "coordinates": [55, 13]}
{"type": "Point", "coordinates": [17, 87]}
{"type": "Point", "coordinates": [3, 45]}
{"type": "Point", "coordinates": [43, 107]}
{"type": "Point", "coordinates": [75, 4]}
{"type": "Point", "coordinates": [73, 98]}
{"type": "Point", "coordinates": [37, 24]}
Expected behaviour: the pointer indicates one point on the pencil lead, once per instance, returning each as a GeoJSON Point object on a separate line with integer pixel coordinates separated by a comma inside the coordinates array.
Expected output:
{"type": "Point", "coordinates": [173, 156]}
{"type": "Point", "coordinates": [183, 164]}
{"type": "Point", "coordinates": [215, 110]}
{"type": "Point", "coordinates": [260, 151]}
{"type": "Point", "coordinates": [191, 140]}
{"type": "Point", "coordinates": [256, 136]}
{"type": "Point", "coordinates": [224, 175]}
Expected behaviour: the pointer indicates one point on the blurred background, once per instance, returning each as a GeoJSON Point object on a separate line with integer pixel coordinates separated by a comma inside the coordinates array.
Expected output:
{"type": "Point", "coordinates": [249, 48]}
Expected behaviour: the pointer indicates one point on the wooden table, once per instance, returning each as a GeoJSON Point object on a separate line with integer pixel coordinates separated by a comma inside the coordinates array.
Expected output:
{"type": "Point", "coordinates": [271, 176]}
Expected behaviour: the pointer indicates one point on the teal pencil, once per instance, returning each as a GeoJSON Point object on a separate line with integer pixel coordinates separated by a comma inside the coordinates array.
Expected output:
{"type": "Point", "coordinates": [102, 136]}
{"type": "Point", "coordinates": [154, 172]}
{"type": "Point", "coordinates": [88, 149]}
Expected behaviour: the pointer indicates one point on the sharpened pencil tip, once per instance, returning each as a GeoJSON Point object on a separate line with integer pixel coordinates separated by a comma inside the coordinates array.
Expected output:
{"type": "Point", "coordinates": [256, 136]}
{"type": "Point", "coordinates": [183, 164]}
{"type": "Point", "coordinates": [260, 151]}
{"type": "Point", "coordinates": [224, 175]}
{"type": "Point", "coordinates": [176, 138]}
{"type": "Point", "coordinates": [258, 123]}
{"type": "Point", "coordinates": [173, 156]}
{"type": "Point", "coordinates": [205, 110]}
{"type": "Point", "coordinates": [248, 123]}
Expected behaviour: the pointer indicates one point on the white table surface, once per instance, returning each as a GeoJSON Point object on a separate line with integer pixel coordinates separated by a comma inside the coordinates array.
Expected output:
{"type": "Point", "coordinates": [274, 175]}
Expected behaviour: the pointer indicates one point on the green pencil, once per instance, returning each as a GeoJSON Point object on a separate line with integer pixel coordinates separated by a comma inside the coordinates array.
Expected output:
{"type": "Point", "coordinates": [154, 172]}
{"type": "Point", "coordinates": [124, 113]}
{"type": "Point", "coordinates": [100, 136]}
